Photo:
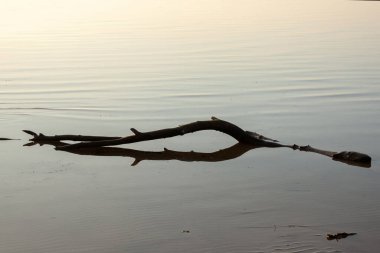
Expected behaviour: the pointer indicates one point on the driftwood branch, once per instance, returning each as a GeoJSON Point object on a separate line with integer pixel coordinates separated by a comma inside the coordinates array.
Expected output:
{"type": "Point", "coordinates": [243, 137]}
{"type": "Point", "coordinates": [67, 137]}
{"type": "Point", "coordinates": [228, 128]}
{"type": "Point", "coordinates": [348, 157]}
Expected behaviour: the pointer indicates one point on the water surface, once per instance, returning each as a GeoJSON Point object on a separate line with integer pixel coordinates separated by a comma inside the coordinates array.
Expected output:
{"type": "Point", "coordinates": [301, 72]}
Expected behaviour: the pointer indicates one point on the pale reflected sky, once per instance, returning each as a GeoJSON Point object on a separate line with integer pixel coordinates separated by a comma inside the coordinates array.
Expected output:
{"type": "Point", "coordinates": [156, 25]}
{"type": "Point", "coordinates": [302, 71]}
{"type": "Point", "coordinates": [39, 16]}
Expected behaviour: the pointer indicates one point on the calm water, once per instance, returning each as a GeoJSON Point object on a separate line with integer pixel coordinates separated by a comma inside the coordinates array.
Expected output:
{"type": "Point", "coordinates": [304, 72]}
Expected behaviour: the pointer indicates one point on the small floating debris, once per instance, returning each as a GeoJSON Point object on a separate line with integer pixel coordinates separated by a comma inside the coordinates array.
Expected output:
{"type": "Point", "coordinates": [338, 236]}
{"type": "Point", "coordinates": [5, 139]}
{"type": "Point", "coordinates": [186, 231]}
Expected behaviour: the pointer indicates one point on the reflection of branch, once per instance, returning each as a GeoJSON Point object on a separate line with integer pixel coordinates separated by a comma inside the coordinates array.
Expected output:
{"type": "Point", "coordinates": [218, 156]}
{"type": "Point", "coordinates": [87, 144]}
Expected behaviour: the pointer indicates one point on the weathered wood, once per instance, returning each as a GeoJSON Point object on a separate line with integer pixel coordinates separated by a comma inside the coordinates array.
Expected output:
{"type": "Point", "coordinates": [348, 157]}
{"type": "Point", "coordinates": [67, 137]}
{"type": "Point", "coordinates": [243, 137]}
{"type": "Point", "coordinates": [215, 124]}
{"type": "Point", "coordinates": [309, 148]}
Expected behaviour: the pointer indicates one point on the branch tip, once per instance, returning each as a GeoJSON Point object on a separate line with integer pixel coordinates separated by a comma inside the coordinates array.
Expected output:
{"type": "Point", "coordinates": [135, 131]}
{"type": "Point", "coordinates": [135, 162]}
{"type": "Point", "coordinates": [30, 132]}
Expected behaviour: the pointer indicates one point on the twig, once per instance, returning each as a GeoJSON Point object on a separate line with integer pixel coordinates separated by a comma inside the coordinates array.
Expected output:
{"type": "Point", "coordinates": [8, 139]}
{"type": "Point", "coordinates": [67, 137]}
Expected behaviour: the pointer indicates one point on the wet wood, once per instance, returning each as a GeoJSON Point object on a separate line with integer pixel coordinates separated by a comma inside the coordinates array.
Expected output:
{"type": "Point", "coordinates": [240, 135]}
{"type": "Point", "coordinates": [215, 124]}
{"type": "Point", "coordinates": [349, 157]}
{"type": "Point", "coordinates": [67, 137]}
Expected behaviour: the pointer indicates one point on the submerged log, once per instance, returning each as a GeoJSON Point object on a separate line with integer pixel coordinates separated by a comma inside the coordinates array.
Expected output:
{"type": "Point", "coordinates": [242, 136]}
{"type": "Point", "coordinates": [348, 157]}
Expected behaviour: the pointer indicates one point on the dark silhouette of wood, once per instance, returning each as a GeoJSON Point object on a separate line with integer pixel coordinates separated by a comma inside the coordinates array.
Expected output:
{"type": "Point", "coordinates": [67, 137]}
{"type": "Point", "coordinates": [138, 155]}
{"type": "Point", "coordinates": [243, 137]}
{"type": "Point", "coordinates": [228, 128]}
{"type": "Point", "coordinates": [6, 139]}
{"type": "Point", "coordinates": [339, 236]}
{"type": "Point", "coordinates": [348, 157]}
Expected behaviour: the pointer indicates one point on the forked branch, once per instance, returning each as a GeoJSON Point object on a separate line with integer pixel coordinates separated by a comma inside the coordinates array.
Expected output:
{"type": "Point", "coordinates": [243, 137]}
{"type": "Point", "coordinates": [228, 128]}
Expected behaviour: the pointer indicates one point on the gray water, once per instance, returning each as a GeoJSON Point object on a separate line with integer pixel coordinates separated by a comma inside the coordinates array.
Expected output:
{"type": "Point", "coordinates": [304, 72]}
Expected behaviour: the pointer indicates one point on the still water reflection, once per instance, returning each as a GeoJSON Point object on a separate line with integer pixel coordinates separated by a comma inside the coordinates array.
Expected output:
{"type": "Point", "coordinates": [304, 72]}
